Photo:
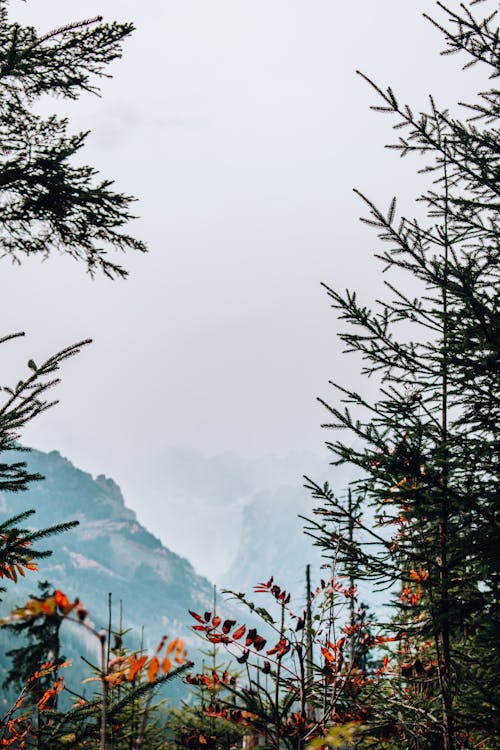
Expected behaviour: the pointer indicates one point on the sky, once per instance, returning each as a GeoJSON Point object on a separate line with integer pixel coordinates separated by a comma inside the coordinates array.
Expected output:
{"type": "Point", "coordinates": [241, 127]}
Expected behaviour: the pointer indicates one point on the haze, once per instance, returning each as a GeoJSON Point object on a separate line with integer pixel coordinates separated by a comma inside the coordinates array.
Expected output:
{"type": "Point", "coordinates": [241, 127]}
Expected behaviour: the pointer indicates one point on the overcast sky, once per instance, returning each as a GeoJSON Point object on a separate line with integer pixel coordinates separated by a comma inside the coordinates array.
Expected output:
{"type": "Point", "coordinates": [242, 128]}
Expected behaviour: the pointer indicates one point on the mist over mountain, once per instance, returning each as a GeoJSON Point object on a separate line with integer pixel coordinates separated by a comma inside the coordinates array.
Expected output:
{"type": "Point", "coordinates": [237, 516]}
{"type": "Point", "coordinates": [229, 509]}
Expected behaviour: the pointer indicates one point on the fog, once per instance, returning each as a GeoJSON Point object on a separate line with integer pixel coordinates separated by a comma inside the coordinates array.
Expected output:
{"type": "Point", "coordinates": [241, 128]}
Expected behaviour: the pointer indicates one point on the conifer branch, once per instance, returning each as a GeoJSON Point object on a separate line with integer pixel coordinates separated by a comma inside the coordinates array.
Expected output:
{"type": "Point", "coordinates": [68, 27]}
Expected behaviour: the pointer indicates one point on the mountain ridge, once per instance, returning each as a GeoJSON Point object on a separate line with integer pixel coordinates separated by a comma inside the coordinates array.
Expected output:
{"type": "Point", "coordinates": [109, 551]}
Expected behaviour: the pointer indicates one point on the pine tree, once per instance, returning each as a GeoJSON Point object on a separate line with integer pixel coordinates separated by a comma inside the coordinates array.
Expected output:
{"type": "Point", "coordinates": [43, 645]}
{"type": "Point", "coordinates": [23, 402]}
{"type": "Point", "coordinates": [427, 448]}
{"type": "Point", "coordinates": [49, 204]}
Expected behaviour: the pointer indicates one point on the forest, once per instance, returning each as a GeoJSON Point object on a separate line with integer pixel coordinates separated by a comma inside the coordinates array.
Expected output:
{"type": "Point", "coordinates": [417, 525]}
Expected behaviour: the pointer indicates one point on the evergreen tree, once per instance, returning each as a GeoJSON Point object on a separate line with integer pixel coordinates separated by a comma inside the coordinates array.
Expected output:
{"type": "Point", "coordinates": [49, 204]}
{"type": "Point", "coordinates": [121, 713]}
{"type": "Point", "coordinates": [43, 645]}
{"type": "Point", "coordinates": [427, 448]}
{"type": "Point", "coordinates": [24, 402]}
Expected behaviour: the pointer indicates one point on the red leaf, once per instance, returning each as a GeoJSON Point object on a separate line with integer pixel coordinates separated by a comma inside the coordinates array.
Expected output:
{"type": "Point", "coordinates": [217, 638]}
{"type": "Point", "coordinates": [251, 636]}
{"type": "Point", "coordinates": [227, 625]}
{"type": "Point", "coordinates": [196, 617]}
{"type": "Point", "coordinates": [281, 648]}
{"type": "Point", "coordinates": [238, 633]}
{"type": "Point", "coordinates": [216, 622]}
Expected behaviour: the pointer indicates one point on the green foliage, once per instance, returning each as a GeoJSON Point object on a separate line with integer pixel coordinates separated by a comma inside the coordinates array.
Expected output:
{"type": "Point", "coordinates": [121, 713]}
{"type": "Point", "coordinates": [193, 724]}
{"type": "Point", "coordinates": [42, 646]}
{"type": "Point", "coordinates": [48, 203]}
{"type": "Point", "coordinates": [341, 737]}
{"type": "Point", "coordinates": [427, 447]}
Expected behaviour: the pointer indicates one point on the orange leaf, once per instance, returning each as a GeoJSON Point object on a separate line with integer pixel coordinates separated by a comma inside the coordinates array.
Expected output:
{"type": "Point", "coordinates": [166, 665]}
{"type": "Point", "coordinates": [63, 602]}
{"type": "Point", "coordinates": [153, 669]}
{"type": "Point", "coordinates": [45, 698]}
{"type": "Point", "coordinates": [172, 645]}
{"type": "Point", "coordinates": [180, 644]}
{"type": "Point", "coordinates": [420, 575]}
{"type": "Point", "coordinates": [135, 667]}
{"type": "Point", "coordinates": [327, 654]}
{"type": "Point", "coordinates": [238, 633]}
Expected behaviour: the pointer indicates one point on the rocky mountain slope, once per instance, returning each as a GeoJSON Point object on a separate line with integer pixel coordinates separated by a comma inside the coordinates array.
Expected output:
{"type": "Point", "coordinates": [109, 551]}
{"type": "Point", "coordinates": [244, 510]}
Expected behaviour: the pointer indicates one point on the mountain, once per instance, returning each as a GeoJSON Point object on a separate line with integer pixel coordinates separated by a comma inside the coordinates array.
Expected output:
{"type": "Point", "coordinates": [238, 517]}
{"type": "Point", "coordinates": [227, 493]}
{"type": "Point", "coordinates": [272, 521]}
{"type": "Point", "coordinates": [200, 493]}
{"type": "Point", "coordinates": [238, 514]}
{"type": "Point", "coordinates": [110, 551]}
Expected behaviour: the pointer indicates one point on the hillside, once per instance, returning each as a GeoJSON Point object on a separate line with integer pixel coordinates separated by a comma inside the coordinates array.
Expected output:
{"type": "Point", "coordinates": [110, 551]}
